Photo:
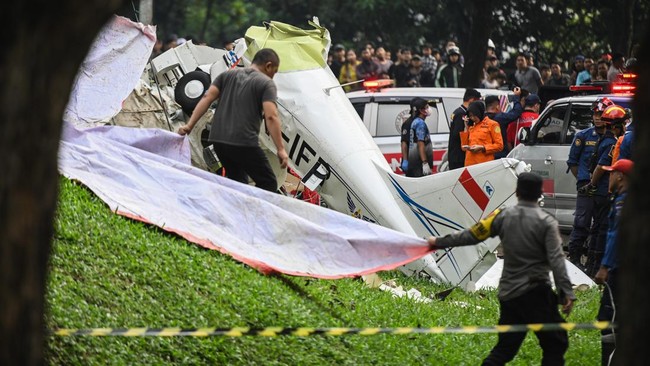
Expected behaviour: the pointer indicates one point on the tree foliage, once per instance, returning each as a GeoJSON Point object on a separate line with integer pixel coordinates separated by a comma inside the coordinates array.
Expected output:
{"type": "Point", "coordinates": [550, 29]}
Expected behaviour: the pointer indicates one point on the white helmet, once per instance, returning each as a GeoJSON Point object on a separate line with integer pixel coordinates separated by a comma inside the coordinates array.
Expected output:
{"type": "Point", "coordinates": [490, 44]}
{"type": "Point", "coordinates": [453, 50]}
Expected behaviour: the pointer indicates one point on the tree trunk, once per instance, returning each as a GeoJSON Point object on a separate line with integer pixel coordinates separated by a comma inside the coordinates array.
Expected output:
{"type": "Point", "coordinates": [629, 34]}
{"type": "Point", "coordinates": [476, 49]}
{"type": "Point", "coordinates": [208, 16]}
{"type": "Point", "coordinates": [42, 51]}
{"type": "Point", "coordinates": [146, 11]}
{"type": "Point", "coordinates": [632, 313]}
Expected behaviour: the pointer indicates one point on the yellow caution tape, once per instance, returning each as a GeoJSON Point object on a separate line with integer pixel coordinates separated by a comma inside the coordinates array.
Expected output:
{"type": "Point", "coordinates": [306, 332]}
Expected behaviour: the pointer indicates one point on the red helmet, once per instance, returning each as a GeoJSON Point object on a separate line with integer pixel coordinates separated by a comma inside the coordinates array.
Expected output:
{"type": "Point", "coordinates": [615, 114]}
{"type": "Point", "coordinates": [601, 104]}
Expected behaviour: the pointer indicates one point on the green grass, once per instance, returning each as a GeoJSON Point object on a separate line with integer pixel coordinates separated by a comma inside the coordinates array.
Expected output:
{"type": "Point", "coordinates": [109, 271]}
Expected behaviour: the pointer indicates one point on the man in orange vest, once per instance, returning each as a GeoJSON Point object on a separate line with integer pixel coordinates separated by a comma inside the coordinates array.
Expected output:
{"type": "Point", "coordinates": [482, 136]}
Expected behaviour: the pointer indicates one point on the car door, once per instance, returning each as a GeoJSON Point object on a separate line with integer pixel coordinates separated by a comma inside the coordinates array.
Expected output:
{"type": "Point", "coordinates": [580, 116]}
{"type": "Point", "coordinates": [544, 150]}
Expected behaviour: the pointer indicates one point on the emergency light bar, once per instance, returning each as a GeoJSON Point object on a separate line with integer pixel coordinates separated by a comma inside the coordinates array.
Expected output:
{"type": "Point", "coordinates": [623, 88]}
{"type": "Point", "coordinates": [371, 85]}
{"type": "Point", "coordinates": [582, 88]}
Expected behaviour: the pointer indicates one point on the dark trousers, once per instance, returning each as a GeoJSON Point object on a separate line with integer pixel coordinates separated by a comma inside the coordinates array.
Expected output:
{"type": "Point", "coordinates": [242, 162]}
{"type": "Point", "coordinates": [538, 305]}
{"type": "Point", "coordinates": [598, 239]}
{"type": "Point", "coordinates": [456, 164]}
{"type": "Point", "coordinates": [609, 303]}
{"type": "Point", "coordinates": [581, 226]}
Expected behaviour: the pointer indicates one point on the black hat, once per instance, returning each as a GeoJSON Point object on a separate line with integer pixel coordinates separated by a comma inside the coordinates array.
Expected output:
{"type": "Point", "coordinates": [490, 99]}
{"type": "Point", "coordinates": [477, 109]}
{"type": "Point", "coordinates": [529, 186]}
{"type": "Point", "coordinates": [471, 93]}
{"type": "Point", "coordinates": [532, 99]}
{"type": "Point", "coordinates": [418, 103]}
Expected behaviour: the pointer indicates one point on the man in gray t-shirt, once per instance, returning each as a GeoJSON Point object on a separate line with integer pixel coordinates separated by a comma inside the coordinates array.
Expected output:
{"type": "Point", "coordinates": [527, 77]}
{"type": "Point", "coordinates": [245, 97]}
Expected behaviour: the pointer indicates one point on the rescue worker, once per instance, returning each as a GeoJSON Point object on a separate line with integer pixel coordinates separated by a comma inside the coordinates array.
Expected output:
{"type": "Point", "coordinates": [420, 154]}
{"type": "Point", "coordinates": [455, 153]}
{"type": "Point", "coordinates": [623, 147]}
{"type": "Point", "coordinates": [614, 118]}
{"type": "Point", "coordinates": [627, 143]}
{"type": "Point", "coordinates": [482, 136]}
{"type": "Point", "coordinates": [608, 272]}
{"type": "Point", "coordinates": [582, 149]}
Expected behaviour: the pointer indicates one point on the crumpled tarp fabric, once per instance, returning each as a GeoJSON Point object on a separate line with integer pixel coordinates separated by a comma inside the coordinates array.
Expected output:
{"type": "Point", "coordinates": [146, 174]}
{"type": "Point", "coordinates": [110, 71]}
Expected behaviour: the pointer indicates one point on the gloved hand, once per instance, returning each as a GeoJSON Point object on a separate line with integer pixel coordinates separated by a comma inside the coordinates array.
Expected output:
{"type": "Point", "coordinates": [587, 190]}
{"type": "Point", "coordinates": [426, 170]}
{"type": "Point", "coordinates": [405, 165]}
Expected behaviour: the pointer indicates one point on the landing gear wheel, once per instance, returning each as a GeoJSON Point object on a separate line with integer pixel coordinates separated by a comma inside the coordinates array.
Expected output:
{"type": "Point", "coordinates": [190, 90]}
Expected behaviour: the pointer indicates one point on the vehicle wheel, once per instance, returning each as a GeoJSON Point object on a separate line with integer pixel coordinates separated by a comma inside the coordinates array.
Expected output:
{"type": "Point", "coordinates": [190, 90]}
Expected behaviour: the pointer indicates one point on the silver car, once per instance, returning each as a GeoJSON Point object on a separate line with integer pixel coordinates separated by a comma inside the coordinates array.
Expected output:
{"type": "Point", "coordinates": [545, 146]}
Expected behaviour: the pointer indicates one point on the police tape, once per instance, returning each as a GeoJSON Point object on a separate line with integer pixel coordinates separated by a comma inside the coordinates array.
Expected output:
{"type": "Point", "coordinates": [306, 332]}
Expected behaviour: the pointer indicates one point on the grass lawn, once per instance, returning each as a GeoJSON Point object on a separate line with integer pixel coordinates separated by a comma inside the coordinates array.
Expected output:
{"type": "Point", "coordinates": [109, 271]}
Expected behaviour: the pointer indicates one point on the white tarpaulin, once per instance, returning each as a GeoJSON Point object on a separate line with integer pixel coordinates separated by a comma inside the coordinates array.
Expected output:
{"type": "Point", "coordinates": [146, 174]}
{"type": "Point", "coordinates": [110, 71]}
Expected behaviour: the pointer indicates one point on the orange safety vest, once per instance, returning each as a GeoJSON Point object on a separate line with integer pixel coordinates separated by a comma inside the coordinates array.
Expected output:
{"type": "Point", "coordinates": [486, 133]}
{"type": "Point", "coordinates": [616, 150]}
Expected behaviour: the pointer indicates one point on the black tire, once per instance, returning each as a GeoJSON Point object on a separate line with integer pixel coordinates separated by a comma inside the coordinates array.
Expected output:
{"type": "Point", "coordinates": [190, 90]}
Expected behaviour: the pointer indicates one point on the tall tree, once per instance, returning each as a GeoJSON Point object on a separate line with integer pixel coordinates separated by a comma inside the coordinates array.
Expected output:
{"type": "Point", "coordinates": [480, 26]}
{"type": "Point", "coordinates": [146, 11]}
{"type": "Point", "coordinates": [635, 233]}
{"type": "Point", "coordinates": [39, 62]}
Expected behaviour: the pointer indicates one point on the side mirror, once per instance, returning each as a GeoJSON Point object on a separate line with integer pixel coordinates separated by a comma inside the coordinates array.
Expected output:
{"type": "Point", "coordinates": [523, 135]}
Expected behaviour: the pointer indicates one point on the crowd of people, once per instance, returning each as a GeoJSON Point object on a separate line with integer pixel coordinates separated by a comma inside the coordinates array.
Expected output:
{"type": "Point", "coordinates": [431, 67]}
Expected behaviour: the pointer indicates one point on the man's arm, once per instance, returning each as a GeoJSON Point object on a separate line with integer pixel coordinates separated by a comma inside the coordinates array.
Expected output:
{"type": "Point", "coordinates": [597, 174]}
{"type": "Point", "coordinates": [210, 96]}
{"type": "Point", "coordinates": [405, 150]}
{"type": "Point", "coordinates": [488, 227]}
{"type": "Point", "coordinates": [538, 78]}
{"type": "Point", "coordinates": [574, 153]}
{"type": "Point", "coordinates": [605, 159]}
{"type": "Point", "coordinates": [274, 126]}
{"type": "Point", "coordinates": [422, 151]}
{"type": "Point", "coordinates": [497, 140]}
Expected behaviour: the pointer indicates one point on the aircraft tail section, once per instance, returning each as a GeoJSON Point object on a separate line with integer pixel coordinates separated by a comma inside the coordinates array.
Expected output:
{"type": "Point", "coordinates": [449, 201]}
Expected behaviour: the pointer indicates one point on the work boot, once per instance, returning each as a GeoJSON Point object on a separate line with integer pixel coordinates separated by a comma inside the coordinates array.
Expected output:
{"type": "Point", "coordinates": [575, 257]}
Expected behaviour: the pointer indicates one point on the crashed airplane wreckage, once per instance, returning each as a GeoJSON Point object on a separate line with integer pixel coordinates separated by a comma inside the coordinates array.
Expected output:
{"type": "Point", "coordinates": [328, 147]}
